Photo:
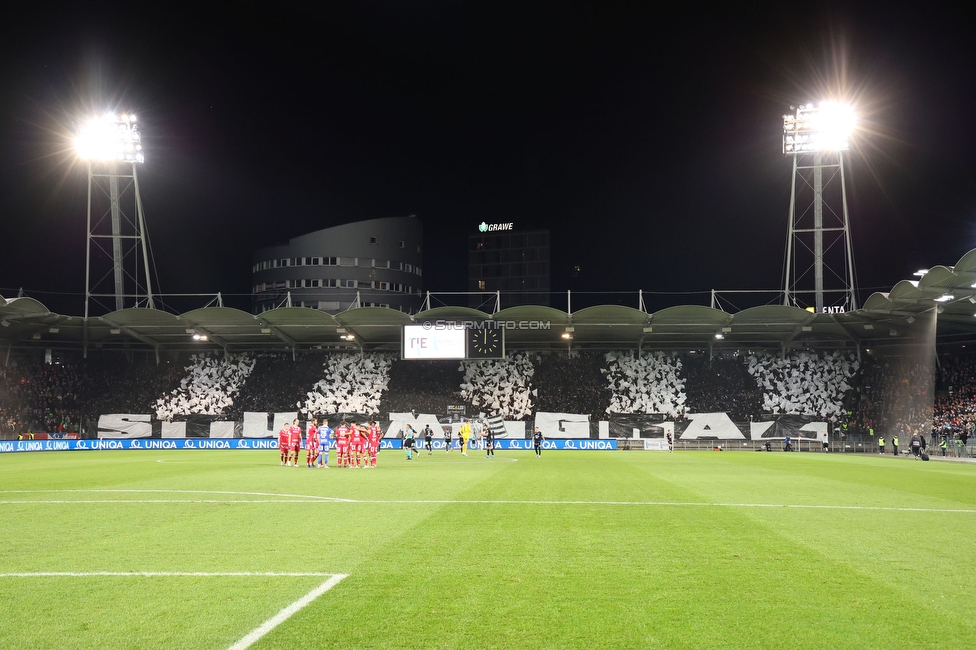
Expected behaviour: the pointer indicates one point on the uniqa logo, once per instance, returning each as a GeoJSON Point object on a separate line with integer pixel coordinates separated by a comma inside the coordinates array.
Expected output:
{"type": "Point", "coordinates": [483, 227]}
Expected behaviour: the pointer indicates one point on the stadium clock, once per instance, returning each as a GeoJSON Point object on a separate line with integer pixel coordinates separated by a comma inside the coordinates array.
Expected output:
{"type": "Point", "coordinates": [486, 343]}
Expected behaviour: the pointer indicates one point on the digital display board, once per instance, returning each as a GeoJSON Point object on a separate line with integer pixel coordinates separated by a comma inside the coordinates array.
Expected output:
{"type": "Point", "coordinates": [420, 342]}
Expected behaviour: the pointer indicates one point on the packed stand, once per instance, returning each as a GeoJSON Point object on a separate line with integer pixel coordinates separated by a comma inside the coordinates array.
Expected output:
{"type": "Point", "coordinates": [806, 383]}
{"type": "Point", "coordinates": [955, 403]}
{"type": "Point", "coordinates": [40, 397]}
{"type": "Point", "coordinates": [209, 387]}
{"type": "Point", "coordinates": [422, 386]}
{"type": "Point", "coordinates": [278, 383]}
{"type": "Point", "coordinates": [721, 384]}
{"type": "Point", "coordinates": [895, 396]}
{"type": "Point", "coordinates": [351, 383]}
{"type": "Point", "coordinates": [501, 387]}
{"type": "Point", "coordinates": [651, 383]}
{"type": "Point", "coordinates": [567, 384]}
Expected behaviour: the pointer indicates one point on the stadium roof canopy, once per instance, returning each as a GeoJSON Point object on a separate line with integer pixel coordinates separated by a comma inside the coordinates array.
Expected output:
{"type": "Point", "coordinates": [942, 301]}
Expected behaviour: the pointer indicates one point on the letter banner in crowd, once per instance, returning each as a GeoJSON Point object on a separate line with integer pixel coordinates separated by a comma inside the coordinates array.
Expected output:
{"type": "Point", "coordinates": [12, 446]}
{"type": "Point", "coordinates": [716, 426]}
{"type": "Point", "coordinates": [124, 425]}
{"type": "Point", "coordinates": [563, 425]}
{"type": "Point", "coordinates": [637, 425]}
{"type": "Point", "coordinates": [256, 424]}
{"type": "Point", "coordinates": [798, 427]}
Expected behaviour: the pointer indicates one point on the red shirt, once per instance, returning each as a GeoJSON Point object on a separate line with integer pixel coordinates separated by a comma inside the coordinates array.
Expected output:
{"type": "Point", "coordinates": [374, 436]}
{"type": "Point", "coordinates": [356, 437]}
{"type": "Point", "coordinates": [342, 436]}
{"type": "Point", "coordinates": [284, 436]}
{"type": "Point", "coordinates": [296, 435]}
{"type": "Point", "coordinates": [312, 438]}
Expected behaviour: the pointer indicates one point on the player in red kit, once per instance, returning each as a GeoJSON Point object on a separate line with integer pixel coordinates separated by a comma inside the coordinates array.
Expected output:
{"type": "Point", "coordinates": [356, 446]}
{"type": "Point", "coordinates": [312, 443]}
{"type": "Point", "coordinates": [342, 445]}
{"type": "Point", "coordinates": [372, 442]}
{"type": "Point", "coordinates": [295, 440]}
{"type": "Point", "coordinates": [284, 442]}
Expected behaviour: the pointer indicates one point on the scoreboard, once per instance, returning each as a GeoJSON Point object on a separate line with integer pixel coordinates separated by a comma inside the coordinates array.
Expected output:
{"type": "Point", "coordinates": [452, 341]}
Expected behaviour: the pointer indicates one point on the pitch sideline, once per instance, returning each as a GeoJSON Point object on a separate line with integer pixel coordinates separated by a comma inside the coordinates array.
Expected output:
{"type": "Point", "coordinates": [301, 498]}
{"type": "Point", "coordinates": [251, 637]}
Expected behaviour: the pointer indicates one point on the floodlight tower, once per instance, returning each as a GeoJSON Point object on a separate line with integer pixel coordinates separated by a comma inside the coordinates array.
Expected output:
{"type": "Point", "coordinates": [112, 148]}
{"type": "Point", "coordinates": [819, 239]}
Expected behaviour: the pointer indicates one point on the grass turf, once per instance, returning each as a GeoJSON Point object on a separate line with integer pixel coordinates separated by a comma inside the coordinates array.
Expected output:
{"type": "Point", "coordinates": [645, 550]}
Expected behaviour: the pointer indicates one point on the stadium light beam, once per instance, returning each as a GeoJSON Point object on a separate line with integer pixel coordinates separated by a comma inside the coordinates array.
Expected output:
{"type": "Point", "coordinates": [816, 137]}
{"type": "Point", "coordinates": [825, 127]}
{"type": "Point", "coordinates": [111, 145]}
{"type": "Point", "coordinates": [110, 138]}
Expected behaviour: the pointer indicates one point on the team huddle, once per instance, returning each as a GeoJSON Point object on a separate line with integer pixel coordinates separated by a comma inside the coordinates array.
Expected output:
{"type": "Point", "coordinates": [354, 444]}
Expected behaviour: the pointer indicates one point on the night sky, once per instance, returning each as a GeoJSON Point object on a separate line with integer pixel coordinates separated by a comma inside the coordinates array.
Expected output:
{"type": "Point", "coordinates": [647, 140]}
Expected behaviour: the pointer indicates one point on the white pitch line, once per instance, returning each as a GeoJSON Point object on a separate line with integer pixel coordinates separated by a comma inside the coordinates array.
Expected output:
{"type": "Point", "coordinates": [258, 633]}
{"type": "Point", "coordinates": [328, 500]}
{"type": "Point", "coordinates": [108, 491]}
{"type": "Point", "coordinates": [229, 501]}
{"type": "Point", "coordinates": [169, 574]}
{"type": "Point", "coordinates": [252, 637]}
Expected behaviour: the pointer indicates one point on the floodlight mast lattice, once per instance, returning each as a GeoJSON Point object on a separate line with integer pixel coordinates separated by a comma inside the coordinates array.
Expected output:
{"type": "Point", "coordinates": [816, 137]}
{"type": "Point", "coordinates": [112, 148]}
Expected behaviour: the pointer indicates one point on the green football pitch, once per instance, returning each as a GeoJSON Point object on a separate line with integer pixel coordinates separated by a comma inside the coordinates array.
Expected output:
{"type": "Point", "coordinates": [221, 549]}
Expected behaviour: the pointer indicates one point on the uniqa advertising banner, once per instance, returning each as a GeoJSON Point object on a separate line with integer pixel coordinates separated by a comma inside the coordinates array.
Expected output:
{"type": "Point", "coordinates": [13, 446]}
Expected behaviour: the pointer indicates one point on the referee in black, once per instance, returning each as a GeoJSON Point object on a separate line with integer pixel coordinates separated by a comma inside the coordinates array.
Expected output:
{"type": "Point", "coordinates": [537, 439]}
{"type": "Point", "coordinates": [489, 439]}
{"type": "Point", "coordinates": [429, 439]}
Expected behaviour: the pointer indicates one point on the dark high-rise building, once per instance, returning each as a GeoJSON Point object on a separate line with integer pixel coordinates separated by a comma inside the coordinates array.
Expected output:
{"type": "Point", "coordinates": [374, 263]}
{"type": "Point", "coordinates": [514, 262]}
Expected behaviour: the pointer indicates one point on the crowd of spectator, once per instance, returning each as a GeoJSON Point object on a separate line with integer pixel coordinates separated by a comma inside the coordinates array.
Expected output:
{"type": "Point", "coordinates": [955, 403]}
{"type": "Point", "coordinates": [804, 383]}
{"type": "Point", "coordinates": [422, 386]}
{"type": "Point", "coordinates": [880, 395]}
{"type": "Point", "coordinates": [721, 384]}
{"type": "Point", "coordinates": [500, 386]}
{"type": "Point", "coordinates": [278, 382]}
{"type": "Point", "coordinates": [38, 396]}
{"type": "Point", "coordinates": [350, 383]}
{"type": "Point", "coordinates": [893, 395]}
{"type": "Point", "coordinates": [651, 383]}
{"type": "Point", "coordinates": [210, 384]}
{"type": "Point", "coordinates": [565, 384]}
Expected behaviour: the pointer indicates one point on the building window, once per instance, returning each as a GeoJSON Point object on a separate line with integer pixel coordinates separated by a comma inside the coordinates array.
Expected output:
{"type": "Point", "coordinates": [481, 284]}
{"type": "Point", "coordinates": [372, 240]}
{"type": "Point", "coordinates": [401, 243]}
{"type": "Point", "coordinates": [349, 284]}
{"type": "Point", "coordinates": [284, 262]}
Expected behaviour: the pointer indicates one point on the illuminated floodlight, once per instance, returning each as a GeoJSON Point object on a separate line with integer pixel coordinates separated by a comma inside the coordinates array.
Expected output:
{"type": "Point", "coordinates": [946, 297]}
{"type": "Point", "coordinates": [825, 127]}
{"type": "Point", "coordinates": [110, 138]}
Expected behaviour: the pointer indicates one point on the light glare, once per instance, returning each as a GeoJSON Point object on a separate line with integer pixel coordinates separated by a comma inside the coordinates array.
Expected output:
{"type": "Point", "coordinates": [110, 138]}
{"type": "Point", "coordinates": [827, 127]}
